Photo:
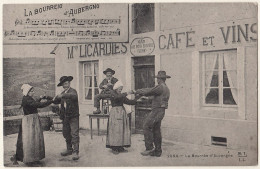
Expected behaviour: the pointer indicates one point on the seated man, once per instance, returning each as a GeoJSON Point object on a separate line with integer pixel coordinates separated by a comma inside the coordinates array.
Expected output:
{"type": "Point", "coordinates": [107, 86]}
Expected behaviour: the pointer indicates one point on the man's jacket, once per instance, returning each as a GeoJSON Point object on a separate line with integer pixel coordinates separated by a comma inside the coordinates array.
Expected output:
{"type": "Point", "coordinates": [105, 82]}
{"type": "Point", "coordinates": [69, 105]}
{"type": "Point", "coordinates": [160, 95]}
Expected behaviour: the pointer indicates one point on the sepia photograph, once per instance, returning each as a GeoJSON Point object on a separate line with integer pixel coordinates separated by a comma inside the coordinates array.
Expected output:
{"type": "Point", "coordinates": [147, 84]}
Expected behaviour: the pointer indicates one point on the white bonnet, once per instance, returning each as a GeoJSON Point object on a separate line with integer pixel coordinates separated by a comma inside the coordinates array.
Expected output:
{"type": "Point", "coordinates": [118, 84]}
{"type": "Point", "coordinates": [26, 88]}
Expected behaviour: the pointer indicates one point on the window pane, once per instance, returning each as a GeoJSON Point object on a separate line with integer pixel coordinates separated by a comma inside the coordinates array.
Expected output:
{"type": "Point", "coordinates": [96, 68]}
{"type": "Point", "coordinates": [228, 96]}
{"type": "Point", "coordinates": [212, 96]}
{"type": "Point", "coordinates": [96, 91]}
{"type": "Point", "coordinates": [211, 61]}
{"type": "Point", "coordinates": [230, 78]}
{"type": "Point", "coordinates": [95, 81]}
{"type": "Point", "coordinates": [225, 79]}
{"type": "Point", "coordinates": [230, 61]}
{"type": "Point", "coordinates": [88, 81]}
{"type": "Point", "coordinates": [87, 68]}
{"type": "Point", "coordinates": [211, 79]}
{"type": "Point", "coordinates": [143, 17]}
{"type": "Point", "coordinates": [88, 94]}
{"type": "Point", "coordinates": [90, 74]}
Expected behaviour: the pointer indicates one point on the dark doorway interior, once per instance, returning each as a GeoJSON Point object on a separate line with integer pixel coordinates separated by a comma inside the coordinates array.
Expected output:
{"type": "Point", "coordinates": [144, 78]}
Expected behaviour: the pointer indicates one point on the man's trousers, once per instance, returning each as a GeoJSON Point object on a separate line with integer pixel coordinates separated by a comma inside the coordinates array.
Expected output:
{"type": "Point", "coordinates": [152, 129]}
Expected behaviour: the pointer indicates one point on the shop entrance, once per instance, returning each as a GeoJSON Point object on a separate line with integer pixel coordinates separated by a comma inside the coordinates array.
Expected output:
{"type": "Point", "coordinates": [144, 78]}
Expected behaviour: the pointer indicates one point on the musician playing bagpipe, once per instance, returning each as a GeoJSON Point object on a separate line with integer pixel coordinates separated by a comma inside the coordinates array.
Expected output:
{"type": "Point", "coordinates": [107, 86]}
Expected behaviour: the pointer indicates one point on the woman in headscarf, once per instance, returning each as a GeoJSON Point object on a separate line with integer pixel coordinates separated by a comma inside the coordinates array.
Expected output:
{"type": "Point", "coordinates": [30, 143]}
{"type": "Point", "coordinates": [118, 130]}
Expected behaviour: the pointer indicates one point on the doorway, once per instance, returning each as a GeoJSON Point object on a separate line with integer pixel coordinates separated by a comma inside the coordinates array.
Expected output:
{"type": "Point", "coordinates": [144, 71]}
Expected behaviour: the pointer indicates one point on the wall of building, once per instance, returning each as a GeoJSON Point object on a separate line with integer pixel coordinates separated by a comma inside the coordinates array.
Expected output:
{"type": "Point", "coordinates": [182, 33]}
{"type": "Point", "coordinates": [70, 63]}
{"type": "Point", "coordinates": [251, 82]}
{"type": "Point", "coordinates": [177, 15]}
{"type": "Point", "coordinates": [184, 121]}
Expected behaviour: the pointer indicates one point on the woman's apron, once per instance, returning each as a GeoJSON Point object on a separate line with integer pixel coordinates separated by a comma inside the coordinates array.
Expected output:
{"type": "Point", "coordinates": [33, 140]}
{"type": "Point", "coordinates": [118, 130]}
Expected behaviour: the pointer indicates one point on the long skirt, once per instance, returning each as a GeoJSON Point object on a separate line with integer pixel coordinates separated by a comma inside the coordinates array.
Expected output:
{"type": "Point", "coordinates": [30, 143]}
{"type": "Point", "coordinates": [118, 129]}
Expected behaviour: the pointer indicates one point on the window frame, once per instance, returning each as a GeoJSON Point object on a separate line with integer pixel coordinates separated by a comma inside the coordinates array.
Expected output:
{"type": "Point", "coordinates": [212, 112]}
{"type": "Point", "coordinates": [92, 63]}
{"type": "Point", "coordinates": [220, 54]}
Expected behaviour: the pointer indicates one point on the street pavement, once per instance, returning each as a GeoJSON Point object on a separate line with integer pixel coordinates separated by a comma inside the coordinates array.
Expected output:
{"type": "Point", "coordinates": [94, 154]}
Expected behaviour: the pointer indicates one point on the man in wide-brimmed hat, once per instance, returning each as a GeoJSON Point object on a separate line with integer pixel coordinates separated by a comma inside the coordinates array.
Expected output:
{"type": "Point", "coordinates": [106, 86]}
{"type": "Point", "coordinates": [152, 123]}
{"type": "Point", "coordinates": [69, 114]}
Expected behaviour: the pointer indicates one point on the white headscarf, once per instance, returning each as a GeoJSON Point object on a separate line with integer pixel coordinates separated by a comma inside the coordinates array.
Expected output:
{"type": "Point", "coordinates": [117, 85]}
{"type": "Point", "coordinates": [26, 88]}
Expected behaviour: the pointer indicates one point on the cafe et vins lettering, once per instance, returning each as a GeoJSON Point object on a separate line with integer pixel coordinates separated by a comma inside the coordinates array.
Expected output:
{"type": "Point", "coordinates": [233, 34]}
{"type": "Point", "coordinates": [230, 34]}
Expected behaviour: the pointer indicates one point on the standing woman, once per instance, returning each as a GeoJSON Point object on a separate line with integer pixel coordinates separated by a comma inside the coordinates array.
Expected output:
{"type": "Point", "coordinates": [30, 143]}
{"type": "Point", "coordinates": [118, 132]}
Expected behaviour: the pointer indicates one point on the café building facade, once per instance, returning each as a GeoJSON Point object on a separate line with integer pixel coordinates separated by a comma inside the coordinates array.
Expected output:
{"type": "Point", "coordinates": [208, 49]}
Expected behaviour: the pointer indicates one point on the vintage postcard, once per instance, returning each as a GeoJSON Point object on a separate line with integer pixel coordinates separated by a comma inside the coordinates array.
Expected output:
{"type": "Point", "coordinates": [130, 84]}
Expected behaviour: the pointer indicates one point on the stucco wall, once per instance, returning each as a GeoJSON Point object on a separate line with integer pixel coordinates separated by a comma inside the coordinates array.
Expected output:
{"type": "Point", "coordinates": [182, 123]}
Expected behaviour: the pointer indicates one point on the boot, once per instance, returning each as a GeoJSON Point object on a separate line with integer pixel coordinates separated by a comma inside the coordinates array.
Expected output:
{"type": "Point", "coordinates": [68, 151]}
{"type": "Point", "coordinates": [122, 150]}
{"type": "Point", "coordinates": [98, 111]}
{"type": "Point", "coordinates": [115, 151]}
{"type": "Point", "coordinates": [156, 153]}
{"type": "Point", "coordinates": [146, 152]}
{"type": "Point", "coordinates": [75, 156]}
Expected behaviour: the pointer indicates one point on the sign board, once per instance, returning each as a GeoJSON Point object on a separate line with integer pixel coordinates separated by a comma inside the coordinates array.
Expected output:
{"type": "Point", "coordinates": [65, 23]}
{"type": "Point", "coordinates": [142, 46]}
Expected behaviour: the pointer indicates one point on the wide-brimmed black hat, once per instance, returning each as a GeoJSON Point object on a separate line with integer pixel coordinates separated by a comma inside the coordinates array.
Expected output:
{"type": "Point", "coordinates": [64, 79]}
{"type": "Point", "coordinates": [109, 70]}
{"type": "Point", "coordinates": [162, 74]}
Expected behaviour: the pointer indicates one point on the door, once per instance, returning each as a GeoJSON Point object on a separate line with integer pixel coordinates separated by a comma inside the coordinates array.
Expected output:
{"type": "Point", "coordinates": [144, 78]}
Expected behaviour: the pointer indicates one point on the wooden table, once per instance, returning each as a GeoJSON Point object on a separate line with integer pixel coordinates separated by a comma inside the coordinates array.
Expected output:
{"type": "Point", "coordinates": [98, 117]}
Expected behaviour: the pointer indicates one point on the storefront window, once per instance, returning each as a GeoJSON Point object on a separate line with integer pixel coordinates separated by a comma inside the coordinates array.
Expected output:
{"type": "Point", "coordinates": [143, 18]}
{"type": "Point", "coordinates": [220, 78]}
{"type": "Point", "coordinates": [90, 73]}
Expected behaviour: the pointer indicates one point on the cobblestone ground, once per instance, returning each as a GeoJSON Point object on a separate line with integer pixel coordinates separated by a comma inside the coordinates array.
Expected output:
{"type": "Point", "coordinates": [94, 154]}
